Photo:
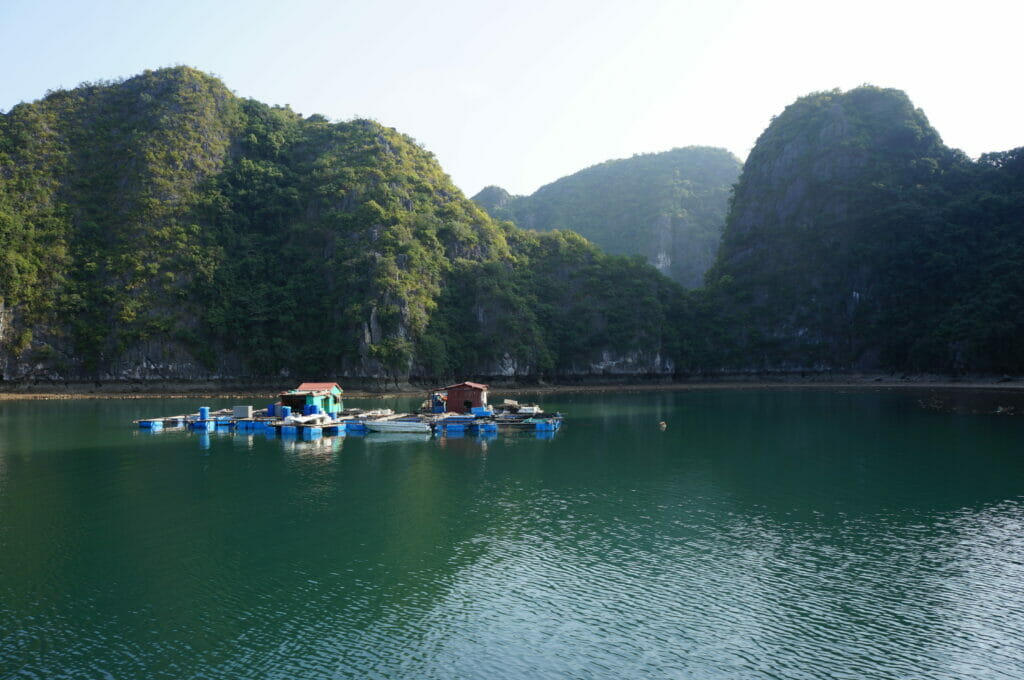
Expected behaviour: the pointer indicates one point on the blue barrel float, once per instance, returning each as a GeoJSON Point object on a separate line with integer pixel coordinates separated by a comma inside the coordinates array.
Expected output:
{"type": "Point", "coordinates": [203, 423]}
{"type": "Point", "coordinates": [286, 411]}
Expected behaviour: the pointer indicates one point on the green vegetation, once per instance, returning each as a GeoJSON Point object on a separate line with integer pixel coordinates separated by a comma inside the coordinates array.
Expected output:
{"type": "Point", "coordinates": [668, 207]}
{"type": "Point", "coordinates": [856, 239]}
{"type": "Point", "coordinates": [100, 189]}
{"type": "Point", "coordinates": [554, 308]}
{"type": "Point", "coordinates": [162, 227]}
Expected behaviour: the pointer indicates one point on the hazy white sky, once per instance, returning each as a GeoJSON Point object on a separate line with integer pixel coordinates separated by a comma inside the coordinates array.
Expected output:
{"type": "Point", "coordinates": [521, 93]}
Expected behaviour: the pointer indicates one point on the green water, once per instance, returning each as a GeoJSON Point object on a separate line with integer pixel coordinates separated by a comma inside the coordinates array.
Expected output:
{"type": "Point", "coordinates": [764, 534]}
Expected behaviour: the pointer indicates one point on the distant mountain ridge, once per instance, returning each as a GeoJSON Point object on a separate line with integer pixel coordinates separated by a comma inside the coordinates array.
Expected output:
{"type": "Point", "coordinates": [668, 207]}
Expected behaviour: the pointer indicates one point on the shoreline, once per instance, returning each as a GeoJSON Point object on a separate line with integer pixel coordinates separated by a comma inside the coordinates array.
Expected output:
{"type": "Point", "coordinates": [993, 385]}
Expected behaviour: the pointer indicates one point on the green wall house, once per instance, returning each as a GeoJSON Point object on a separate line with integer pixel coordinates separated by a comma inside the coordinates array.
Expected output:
{"type": "Point", "coordinates": [327, 396]}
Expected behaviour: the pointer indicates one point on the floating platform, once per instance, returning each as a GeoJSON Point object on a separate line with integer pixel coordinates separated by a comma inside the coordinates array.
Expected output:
{"type": "Point", "coordinates": [353, 421]}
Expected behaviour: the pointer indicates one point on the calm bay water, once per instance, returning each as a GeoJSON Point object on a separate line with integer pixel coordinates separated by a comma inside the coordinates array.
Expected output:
{"type": "Point", "coordinates": [764, 534]}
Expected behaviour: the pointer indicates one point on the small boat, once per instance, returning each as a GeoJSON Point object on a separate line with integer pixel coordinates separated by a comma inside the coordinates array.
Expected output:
{"type": "Point", "coordinates": [403, 426]}
{"type": "Point", "coordinates": [514, 424]}
{"type": "Point", "coordinates": [549, 423]}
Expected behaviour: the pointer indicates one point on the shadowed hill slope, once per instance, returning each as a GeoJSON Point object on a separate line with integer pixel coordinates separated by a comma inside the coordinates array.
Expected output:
{"type": "Point", "coordinates": [858, 240]}
{"type": "Point", "coordinates": [667, 207]}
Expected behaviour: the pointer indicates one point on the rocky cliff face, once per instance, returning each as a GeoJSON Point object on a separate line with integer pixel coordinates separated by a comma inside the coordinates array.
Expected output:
{"type": "Point", "coordinates": [850, 242]}
{"type": "Point", "coordinates": [99, 207]}
{"type": "Point", "coordinates": [667, 207]}
{"type": "Point", "coordinates": [162, 229]}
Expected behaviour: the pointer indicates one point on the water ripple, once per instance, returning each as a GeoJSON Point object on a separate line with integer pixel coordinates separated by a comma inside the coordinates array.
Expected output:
{"type": "Point", "coordinates": [611, 551]}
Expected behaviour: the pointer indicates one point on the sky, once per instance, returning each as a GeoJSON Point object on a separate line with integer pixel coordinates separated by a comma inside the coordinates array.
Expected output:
{"type": "Point", "coordinates": [522, 93]}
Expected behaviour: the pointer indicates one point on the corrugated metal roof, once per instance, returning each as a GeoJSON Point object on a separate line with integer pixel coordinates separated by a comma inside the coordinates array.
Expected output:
{"type": "Point", "coordinates": [317, 387]}
{"type": "Point", "coordinates": [468, 384]}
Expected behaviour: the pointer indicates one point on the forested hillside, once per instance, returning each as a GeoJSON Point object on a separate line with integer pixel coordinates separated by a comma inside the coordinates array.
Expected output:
{"type": "Point", "coordinates": [668, 207]}
{"type": "Point", "coordinates": [858, 240]}
{"type": "Point", "coordinates": [163, 228]}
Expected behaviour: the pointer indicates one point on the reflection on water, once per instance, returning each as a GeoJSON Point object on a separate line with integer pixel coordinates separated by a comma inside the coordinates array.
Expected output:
{"type": "Point", "coordinates": [395, 438]}
{"type": "Point", "coordinates": [761, 535]}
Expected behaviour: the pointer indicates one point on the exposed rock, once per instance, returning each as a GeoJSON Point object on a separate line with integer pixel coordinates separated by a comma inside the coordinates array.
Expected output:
{"type": "Point", "coordinates": [167, 230]}
{"type": "Point", "coordinates": [855, 241]}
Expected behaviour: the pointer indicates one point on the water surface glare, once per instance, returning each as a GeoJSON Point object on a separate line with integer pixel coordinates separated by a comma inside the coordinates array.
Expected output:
{"type": "Point", "coordinates": [764, 534]}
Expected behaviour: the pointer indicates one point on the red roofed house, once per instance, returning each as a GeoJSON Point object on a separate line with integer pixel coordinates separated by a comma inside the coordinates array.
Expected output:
{"type": "Point", "coordinates": [325, 395]}
{"type": "Point", "coordinates": [464, 396]}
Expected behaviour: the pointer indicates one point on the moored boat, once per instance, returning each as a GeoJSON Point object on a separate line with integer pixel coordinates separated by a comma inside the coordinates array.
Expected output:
{"type": "Point", "coordinates": [549, 423]}
{"type": "Point", "coordinates": [399, 426]}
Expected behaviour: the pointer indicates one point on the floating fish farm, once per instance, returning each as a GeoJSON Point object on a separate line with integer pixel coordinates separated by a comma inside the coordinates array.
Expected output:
{"type": "Point", "coordinates": [302, 413]}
